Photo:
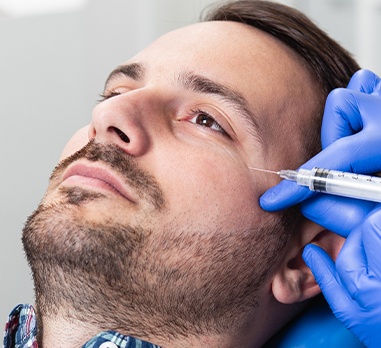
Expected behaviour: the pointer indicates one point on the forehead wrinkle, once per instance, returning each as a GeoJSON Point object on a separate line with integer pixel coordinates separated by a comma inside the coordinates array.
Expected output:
{"type": "Point", "coordinates": [204, 85]}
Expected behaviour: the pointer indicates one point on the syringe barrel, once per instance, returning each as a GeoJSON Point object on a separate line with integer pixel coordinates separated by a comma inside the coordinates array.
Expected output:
{"type": "Point", "coordinates": [342, 183]}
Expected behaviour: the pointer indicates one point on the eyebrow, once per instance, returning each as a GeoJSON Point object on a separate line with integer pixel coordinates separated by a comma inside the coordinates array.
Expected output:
{"type": "Point", "coordinates": [202, 85]}
{"type": "Point", "coordinates": [135, 71]}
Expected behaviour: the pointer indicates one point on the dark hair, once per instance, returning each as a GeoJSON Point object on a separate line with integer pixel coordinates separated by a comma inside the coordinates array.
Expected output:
{"type": "Point", "coordinates": [329, 63]}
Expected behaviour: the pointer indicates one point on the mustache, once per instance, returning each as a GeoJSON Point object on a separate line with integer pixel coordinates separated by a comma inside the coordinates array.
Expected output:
{"type": "Point", "coordinates": [119, 161]}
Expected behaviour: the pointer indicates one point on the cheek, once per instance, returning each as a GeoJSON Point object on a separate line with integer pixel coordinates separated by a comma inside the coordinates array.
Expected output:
{"type": "Point", "coordinates": [77, 141]}
{"type": "Point", "coordinates": [214, 189]}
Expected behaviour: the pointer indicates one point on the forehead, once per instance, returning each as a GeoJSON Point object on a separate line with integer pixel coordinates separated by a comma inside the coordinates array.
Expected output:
{"type": "Point", "coordinates": [224, 50]}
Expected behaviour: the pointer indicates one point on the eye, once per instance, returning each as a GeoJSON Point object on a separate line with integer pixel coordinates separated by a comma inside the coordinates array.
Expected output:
{"type": "Point", "coordinates": [108, 94]}
{"type": "Point", "coordinates": [204, 119]}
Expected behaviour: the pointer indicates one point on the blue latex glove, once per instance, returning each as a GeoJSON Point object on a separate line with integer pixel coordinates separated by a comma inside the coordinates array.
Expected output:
{"type": "Point", "coordinates": [351, 141]}
{"type": "Point", "coordinates": [352, 285]}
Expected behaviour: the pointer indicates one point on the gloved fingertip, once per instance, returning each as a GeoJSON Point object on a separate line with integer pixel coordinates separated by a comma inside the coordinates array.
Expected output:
{"type": "Point", "coordinates": [310, 253]}
{"type": "Point", "coordinates": [307, 253]}
{"type": "Point", "coordinates": [283, 195]}
{"type": "Point", "coordinates": [268, 201]}
{"type": "Point", "coordinates": [364, 81]}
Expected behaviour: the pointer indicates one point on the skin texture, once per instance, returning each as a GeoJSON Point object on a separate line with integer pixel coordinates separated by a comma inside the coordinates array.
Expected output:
{"type": "Point", "coordinates": [160, 235]}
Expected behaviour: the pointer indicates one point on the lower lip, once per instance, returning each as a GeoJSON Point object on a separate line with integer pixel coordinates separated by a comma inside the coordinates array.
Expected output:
{"type": "Point", "coordinates": [79, 180]}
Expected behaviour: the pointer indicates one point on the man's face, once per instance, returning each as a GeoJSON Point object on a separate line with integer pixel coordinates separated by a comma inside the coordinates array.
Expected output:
{"type": "Point", "coordinates": [162, 198]}
{"type": "Point", "coordinates": [197, 108]}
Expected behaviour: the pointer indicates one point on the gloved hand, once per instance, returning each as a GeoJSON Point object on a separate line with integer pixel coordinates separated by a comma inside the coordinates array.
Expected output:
{"type": "Point", "coordinates": [352, 286]}
{"type": "Point", "coordinates": [351, 141]}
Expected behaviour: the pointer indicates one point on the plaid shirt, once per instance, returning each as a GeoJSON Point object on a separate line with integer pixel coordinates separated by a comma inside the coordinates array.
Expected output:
{"type": "Point", "coordinates": [21, 332]}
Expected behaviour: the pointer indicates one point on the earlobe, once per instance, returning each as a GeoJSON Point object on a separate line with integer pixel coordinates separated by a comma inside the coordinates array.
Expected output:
{"type": "Point", "coordinates": [294, 281]}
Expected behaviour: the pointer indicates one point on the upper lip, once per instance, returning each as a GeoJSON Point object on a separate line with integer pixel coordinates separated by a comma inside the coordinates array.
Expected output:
{"type": "Point", "coordinates": [102, 174]}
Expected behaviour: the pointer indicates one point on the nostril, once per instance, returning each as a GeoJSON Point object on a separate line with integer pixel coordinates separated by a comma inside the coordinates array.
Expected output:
{"type": "Point", "coordinates": [122, 135]}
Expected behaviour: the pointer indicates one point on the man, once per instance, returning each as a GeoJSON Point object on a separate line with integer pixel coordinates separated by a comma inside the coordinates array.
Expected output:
{"type": "Point", "coordinates": [151, 226]}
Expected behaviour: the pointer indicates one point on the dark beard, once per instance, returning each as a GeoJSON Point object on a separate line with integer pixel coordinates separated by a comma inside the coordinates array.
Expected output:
{"type": "Point", "coordinates": [81, 270]}
{"type": "Point", "coordinates": [77, 263]}
{"type": "Point", "coordinates": [57, 236]}
{"type": "Point", "coordinates": [140, 280]}
{"type": "Point", "coordinates": [60, 234]}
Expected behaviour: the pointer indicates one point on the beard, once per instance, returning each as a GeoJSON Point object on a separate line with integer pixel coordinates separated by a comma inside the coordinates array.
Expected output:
{"type": "Point", "coordinates": [141, 279]}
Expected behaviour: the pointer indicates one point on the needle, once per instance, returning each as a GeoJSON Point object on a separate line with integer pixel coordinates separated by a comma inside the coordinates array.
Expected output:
{"type": "Point", "coordinates": [264, 170]}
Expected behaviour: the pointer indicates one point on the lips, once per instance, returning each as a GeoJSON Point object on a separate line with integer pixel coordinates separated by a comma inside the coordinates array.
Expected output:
{"type": "Point", "coordinates": [98, 178]}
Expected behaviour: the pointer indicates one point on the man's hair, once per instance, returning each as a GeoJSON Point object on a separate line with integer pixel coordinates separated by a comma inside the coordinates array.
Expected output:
{"type": "Point", "coordinates": [329, 63]}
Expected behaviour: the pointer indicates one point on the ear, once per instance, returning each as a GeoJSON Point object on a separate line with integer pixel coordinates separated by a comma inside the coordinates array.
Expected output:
{"type": "Point", "coordinates": [294, 281]}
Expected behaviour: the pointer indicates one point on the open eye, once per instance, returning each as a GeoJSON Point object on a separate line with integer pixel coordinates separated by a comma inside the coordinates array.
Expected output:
{"type": "Point", "coordinates": [204, 119]}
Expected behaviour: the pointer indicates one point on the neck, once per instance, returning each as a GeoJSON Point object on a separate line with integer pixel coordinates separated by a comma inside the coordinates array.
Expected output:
{"type": "Point", "coordinates": [70, 333]}
{"type": "Point", "coordinates": [65, 332]}
{"type": "Point", "coordinates": [60, 332]}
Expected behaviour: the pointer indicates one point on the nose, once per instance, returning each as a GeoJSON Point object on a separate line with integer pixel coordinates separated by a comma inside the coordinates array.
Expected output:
{"type": "Point", "coordinates": [126, 120]}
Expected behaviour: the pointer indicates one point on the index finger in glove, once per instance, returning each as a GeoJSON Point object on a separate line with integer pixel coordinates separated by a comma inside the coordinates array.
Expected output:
{"type": "Point", "coordinates": [324, 271]}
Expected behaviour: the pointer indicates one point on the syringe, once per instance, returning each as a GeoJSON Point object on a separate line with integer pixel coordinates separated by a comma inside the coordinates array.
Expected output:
{"type": "Point", "coordinates": [335, 182]}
